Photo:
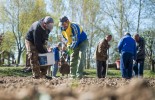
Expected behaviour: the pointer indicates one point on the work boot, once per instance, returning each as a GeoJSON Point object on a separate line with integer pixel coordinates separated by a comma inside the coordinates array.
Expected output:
{"type": "Point", "coordinates": [46, 77]}
{"type": "Point", "coordinates": [49, 77]}
{"type": "Point", "coordinates": [36, 77]}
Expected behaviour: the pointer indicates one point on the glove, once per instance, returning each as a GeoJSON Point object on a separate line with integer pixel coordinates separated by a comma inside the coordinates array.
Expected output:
{"type": "Point", "coordinates": [69, 50]}
{"type": "Point", "coordinates": [108, 46]}
{"type": "Point", "coordinates": [134, 62]}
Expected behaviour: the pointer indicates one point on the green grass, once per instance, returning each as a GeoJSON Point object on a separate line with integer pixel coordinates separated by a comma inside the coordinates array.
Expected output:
{"type": "Point", "coordinates": [16, 71]}
{"type": "Point", "coordinates": [13, 71]}
{"type": "Point", "coordinates": [116, 73]}
{"type": "Point", "coordinates": [111, 73]}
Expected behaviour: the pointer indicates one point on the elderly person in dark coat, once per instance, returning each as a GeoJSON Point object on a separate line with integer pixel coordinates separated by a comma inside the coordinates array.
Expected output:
{"type": "Point", "coordinates": [102, 56]}
{"type": "Point", "coordinates": [139, 63]}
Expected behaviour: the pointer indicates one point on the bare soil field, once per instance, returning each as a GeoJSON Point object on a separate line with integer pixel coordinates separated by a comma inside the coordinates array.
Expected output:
{"type": "Point", "coordinates": [26, 88]}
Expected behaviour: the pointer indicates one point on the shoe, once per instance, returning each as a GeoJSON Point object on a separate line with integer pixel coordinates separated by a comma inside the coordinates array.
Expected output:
{"type": "Point", "coordinates": [36, 77]}
{"type": "Point", "coordinates": [79, 77]}
{"type": "Point", "coordinates": [72, 76]}
{"type": "Point", "coordinates": [48, 77]}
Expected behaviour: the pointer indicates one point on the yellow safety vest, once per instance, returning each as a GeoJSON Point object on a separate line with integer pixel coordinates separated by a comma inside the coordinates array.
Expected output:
{"type": "Point", "coordinates": [68, 34]}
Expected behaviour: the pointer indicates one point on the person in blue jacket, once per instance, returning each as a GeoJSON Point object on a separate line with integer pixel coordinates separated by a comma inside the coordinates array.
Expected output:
{"type": "Point", "coordinates": [57, 59]}
{"type": "Point", "coordinates": [127, 50]}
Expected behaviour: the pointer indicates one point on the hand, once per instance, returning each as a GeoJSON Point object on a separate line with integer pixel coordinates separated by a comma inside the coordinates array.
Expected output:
{"type": "Point", "coordinates": [107, 57]}
{"type": "Point", "coordinates": [59, 63]}
{"type": "Point", "coordinates": [108, 46]}
{"type": "Point", "coordinates": [134, 62]}
{"type": "Point", "coordinates": [70, 50]}
{"type": "Point", "coordinates": [68, 46]}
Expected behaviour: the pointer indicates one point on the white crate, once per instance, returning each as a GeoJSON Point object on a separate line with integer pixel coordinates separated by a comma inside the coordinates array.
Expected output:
{"type": "Point", "coordinates": [46, 59]}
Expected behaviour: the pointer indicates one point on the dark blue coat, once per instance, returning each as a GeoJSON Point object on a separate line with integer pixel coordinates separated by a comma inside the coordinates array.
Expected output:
{"type": "Point", "coordinates": [127, 44]}
{"type": "Point", "coordinates": [56, 54]}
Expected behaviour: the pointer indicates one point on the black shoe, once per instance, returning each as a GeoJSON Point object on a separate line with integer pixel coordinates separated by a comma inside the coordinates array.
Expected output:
{"type": "Point", "coordinates": [28, 70]}
{"type": "Point", "coordinates": [36, 77]}
{"type": "Point", "coordinates": [48, 77]}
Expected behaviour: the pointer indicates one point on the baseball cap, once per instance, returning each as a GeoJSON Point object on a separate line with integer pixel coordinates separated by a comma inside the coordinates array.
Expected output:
{"type": "Point", "coordinates": [63, 19]}
{"type": "Point", "coordinates": [48, 20]}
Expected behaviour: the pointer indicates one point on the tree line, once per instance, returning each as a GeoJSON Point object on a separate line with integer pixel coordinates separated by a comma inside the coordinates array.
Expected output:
{"type": "Point", "coordinates": [97, 17]}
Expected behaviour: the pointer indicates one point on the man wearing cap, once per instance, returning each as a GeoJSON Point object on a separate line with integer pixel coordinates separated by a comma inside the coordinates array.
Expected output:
{"type": "Point", "coordinates": [36, 39]}
{"type": "Point", "coordinates": [76, 40]}
{"type": "Point", "coordinates": [139, 64]}
{"type": "Point", "coordinates": [127, 50]}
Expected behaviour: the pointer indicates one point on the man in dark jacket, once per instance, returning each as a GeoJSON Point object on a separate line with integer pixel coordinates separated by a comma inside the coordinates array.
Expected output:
{"type": "Point", "coordinates": [139, 63]}
{"type": "Point", "coordinates": [102, 56]}
{"type": "Point", "coordinates": [127, 50]}
{"type": "Point", "coordinates": [36, 39]}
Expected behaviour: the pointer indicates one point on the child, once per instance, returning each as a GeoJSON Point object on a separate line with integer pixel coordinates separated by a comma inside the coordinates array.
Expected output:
{"type": "Point", "coordinates": [57, 58]}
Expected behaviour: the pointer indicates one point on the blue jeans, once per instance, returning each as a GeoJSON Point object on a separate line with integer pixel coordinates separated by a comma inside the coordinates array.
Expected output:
{"type": "Point", "coordinates": [55, 69]}
{"type": "Point", "coordinates": [139, 67]}
{"type": "Point", "coordinates": [126, 64]}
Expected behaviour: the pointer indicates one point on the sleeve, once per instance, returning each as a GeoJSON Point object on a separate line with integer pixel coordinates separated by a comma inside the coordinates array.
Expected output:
{"type": "Point", "coordinates": [135, 51]}
{"type": "Point", "coordinates": [38, 41]}
{"type": "Point", "coordinates": [120, 45]}
{"type": "Point", "coordinates": [141, 48]}
{"type": "Point", "coordinates": [101, 47]}
{"type": "Point", "coordinates": [76, 35]}
{"type": "Point", "coordinates": [56, 55]}
{"type": "Point", "coordinates": [64, 39]}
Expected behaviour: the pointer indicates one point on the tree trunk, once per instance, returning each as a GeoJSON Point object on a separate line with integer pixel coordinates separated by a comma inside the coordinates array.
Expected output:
{"type": "Point", "coordinates": [19, 56]}
{"type": "Point", "coordinates": [121, 17]}
{"type": "Point", "coordinates": [86, 63]}
{"type": "Point", "coordinates": [8, 58]}
{"type": "Point", "coordinates": [139, 14]}
{"type": "Point", "coordinates": [89, 53]}
{"type": "Point", "coordinates": [0, 60]}
{"type": "Point", "coordinates": [88, 60]}
{"type": "Point", "coordinates": [152, 65]}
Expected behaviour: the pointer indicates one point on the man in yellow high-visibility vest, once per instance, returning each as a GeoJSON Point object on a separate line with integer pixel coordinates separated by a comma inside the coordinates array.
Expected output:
{"type": "Point", "coordinates": [76, 40]}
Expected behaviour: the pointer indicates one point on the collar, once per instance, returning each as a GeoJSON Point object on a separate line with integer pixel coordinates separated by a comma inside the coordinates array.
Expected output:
{"type": "Point", "coordinates": [57, 48]}
{"type": "Point", "coordinates": [68, 26]}
{"type": "Point", "coordinates": [105, 40]}
{"type": "Point", "coordinates": [41, 24]}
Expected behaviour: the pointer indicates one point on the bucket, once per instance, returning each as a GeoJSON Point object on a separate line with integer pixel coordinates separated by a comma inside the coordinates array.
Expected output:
{"type": "Point", "coordinates": [46, 59]}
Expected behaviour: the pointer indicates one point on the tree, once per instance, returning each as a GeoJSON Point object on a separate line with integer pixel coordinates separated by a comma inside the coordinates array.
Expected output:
{"type": "Point", "coordinates": [21, 14]}
{"type": "Point", "coordinates": [8, 41]}
{"type": "Point", "coordinates": [150, 47]}
{"type": "Point", "coordinates": [139, 15]}
{"type": "Point", "coordinates": [57, 9]}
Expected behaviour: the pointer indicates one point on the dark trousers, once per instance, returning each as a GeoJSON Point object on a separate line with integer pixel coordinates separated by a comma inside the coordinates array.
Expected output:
{"type": "Point", "coordinates": [101, 69]}
{"type": "Point", "coordinates": [126, 65]}
{"type": "Point", "coordinates": [139, 67]}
